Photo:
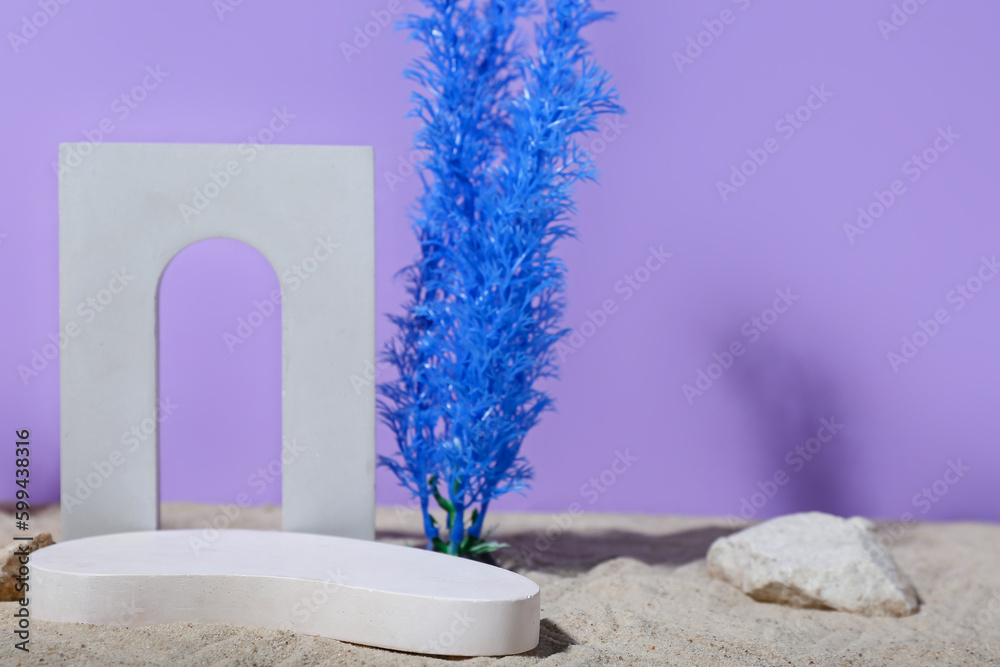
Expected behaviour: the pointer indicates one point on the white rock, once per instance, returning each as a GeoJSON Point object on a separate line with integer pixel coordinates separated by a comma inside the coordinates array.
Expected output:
{"type": "Point", "coordinates": [815, 560]}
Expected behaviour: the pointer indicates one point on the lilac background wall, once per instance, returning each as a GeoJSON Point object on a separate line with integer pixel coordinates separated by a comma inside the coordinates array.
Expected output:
{"type": "Point", "coordinates": [825, 357]}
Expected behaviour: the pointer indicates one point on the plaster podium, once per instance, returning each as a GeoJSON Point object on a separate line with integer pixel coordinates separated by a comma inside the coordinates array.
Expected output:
{"type": "Point", "coordinates": [128, 209]}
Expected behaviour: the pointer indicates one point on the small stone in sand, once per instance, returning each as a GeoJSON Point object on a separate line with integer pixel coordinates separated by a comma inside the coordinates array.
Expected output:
{"type": "Point", "coordinates": [10, 563]}
{"type": "Point", "coordinates": [815, 560]}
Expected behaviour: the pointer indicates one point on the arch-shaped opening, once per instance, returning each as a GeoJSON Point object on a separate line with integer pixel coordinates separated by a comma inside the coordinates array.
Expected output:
{"type": "Point", "coordinates": [219, 381]}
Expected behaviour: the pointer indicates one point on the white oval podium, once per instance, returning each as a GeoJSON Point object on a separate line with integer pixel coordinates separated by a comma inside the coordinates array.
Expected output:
{"type": "Point", "coordinates": [358, 591]}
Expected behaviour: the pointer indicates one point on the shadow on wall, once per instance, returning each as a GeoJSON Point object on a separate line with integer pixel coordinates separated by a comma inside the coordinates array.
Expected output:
{"type": "Point", "coordinates": [803, 434]}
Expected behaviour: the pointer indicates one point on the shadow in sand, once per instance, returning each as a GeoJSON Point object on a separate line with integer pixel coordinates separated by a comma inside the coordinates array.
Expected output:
{"type": "Point", "coordinates": [576, 552]}
{"type": "Point", "coordinates": [571, 552]}
{"type": "Point", "coordinates": [551, 640]}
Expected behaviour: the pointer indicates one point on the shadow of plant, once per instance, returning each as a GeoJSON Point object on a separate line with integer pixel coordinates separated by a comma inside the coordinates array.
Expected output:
{"type": "Point", "coordinates": [578, 552]}
{"type": "Point", "coordinates": [570, 553]}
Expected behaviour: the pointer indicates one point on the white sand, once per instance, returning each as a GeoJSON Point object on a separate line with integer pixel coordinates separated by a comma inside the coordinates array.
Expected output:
{"type": "Point", "coordinates": [616, 589]}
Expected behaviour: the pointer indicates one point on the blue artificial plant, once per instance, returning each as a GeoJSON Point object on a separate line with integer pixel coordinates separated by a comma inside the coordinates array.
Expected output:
{"type": "Point", "coordinates": [501, 158]}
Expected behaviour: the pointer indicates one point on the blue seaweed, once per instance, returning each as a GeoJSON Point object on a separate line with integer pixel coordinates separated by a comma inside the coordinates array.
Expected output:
{"type": "Point", "coordinates": [500, 139]}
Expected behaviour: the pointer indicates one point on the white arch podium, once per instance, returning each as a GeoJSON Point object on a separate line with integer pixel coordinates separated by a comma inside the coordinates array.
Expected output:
{"type": "Point", "coordinates": [125, 211]}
